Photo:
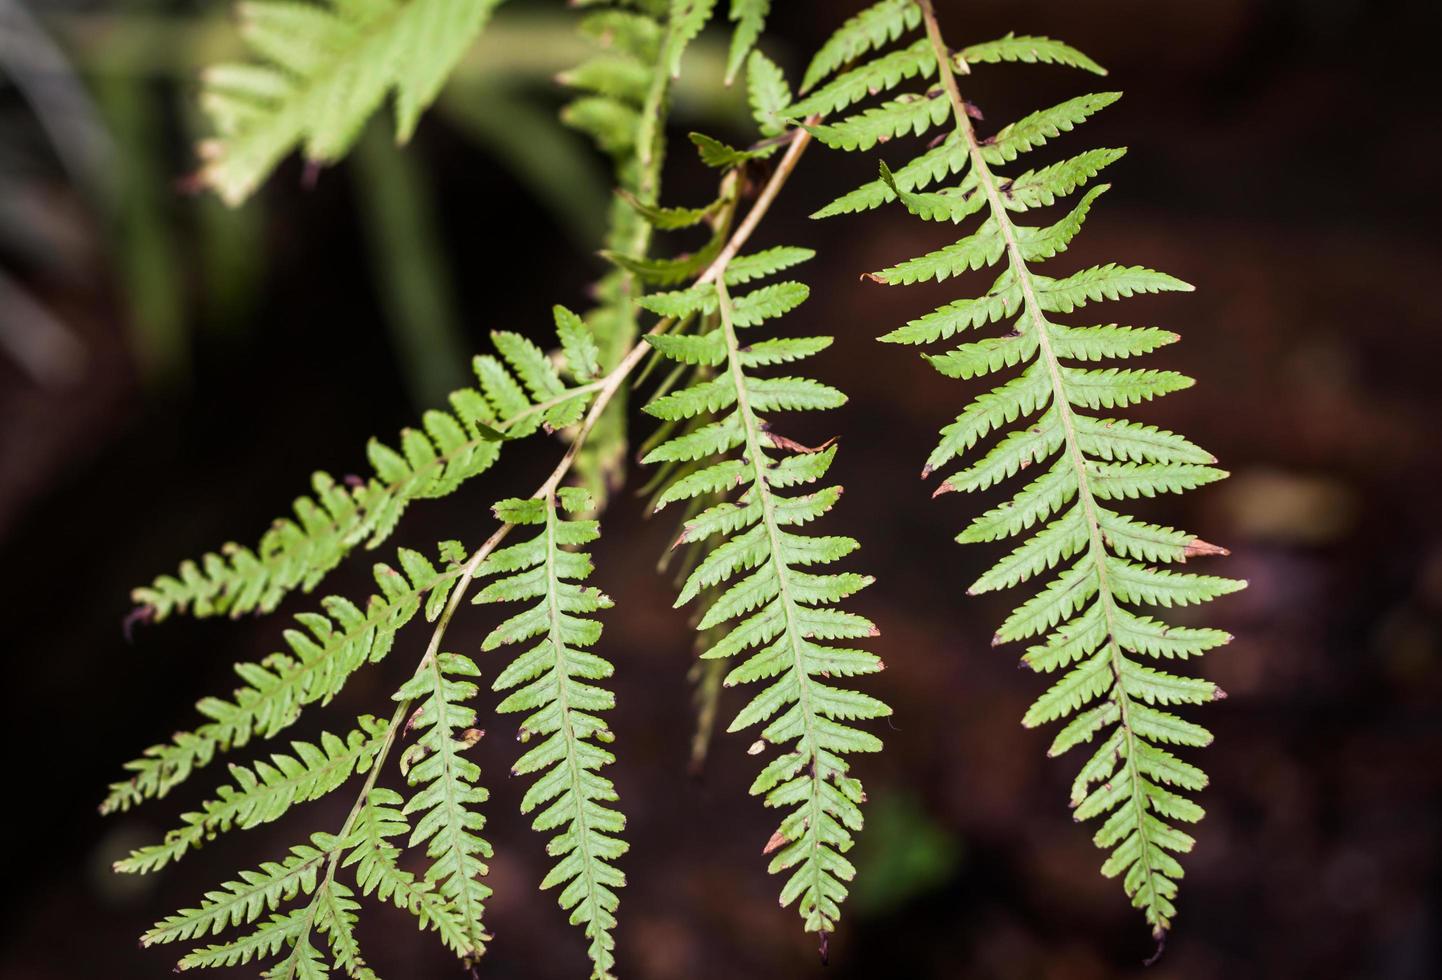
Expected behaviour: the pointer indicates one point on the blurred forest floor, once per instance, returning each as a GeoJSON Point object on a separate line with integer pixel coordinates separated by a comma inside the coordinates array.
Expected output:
{"type": "Point", "coordinates": [1283, 158]}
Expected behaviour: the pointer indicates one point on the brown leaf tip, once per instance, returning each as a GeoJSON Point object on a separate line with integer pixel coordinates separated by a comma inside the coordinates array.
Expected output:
{"type": "Point", "coordinates": [776, 841]}
{"type": "Point", "coordinates": [1198, 548]}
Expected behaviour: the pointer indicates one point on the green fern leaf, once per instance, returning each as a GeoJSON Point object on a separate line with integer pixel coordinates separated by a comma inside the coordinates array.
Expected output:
{"type": "Point", "coordinates": [1098, 565]}
{"type": "Point", "coordinates": [765, 263]}
{"type": "Point", "coordinates": [321, 658]}
{"type": "Point", "coordinates": [1030, 50]}
{"type": "Point", "coordinates": [447, 793]}
{"type": "Point", "coordinates": [873, 28]}
{"type": "Point", "coordinates": [265, 791]}
{"type": "Point", "coordinates": [766, 91]}
{"type": "Point", "coordinates": [1041, 188]}
{"type": "Point", "coordinates": [324, 68]}
{"type": "Point", "coordinates": [245, 900]}
{"type": "Point", "coordinates": [766, 598]}
{"type": "Point", "coordinates": [449, 449]}
{"type": "Point", "coordinates": [948, 157]}
{"type": "Point", "coordinates": [553, 681]}
{"type": "Point", "coordinates": [377, 871]}
{"type": "Point", "coordinates": [687, 19]}
{"type": "Point", "coordinates": [749, 16]}
{"type": "Point", "coordinates": [881, 75]}
{"type": "Point", "coordinates": [1040, 127]}
{"type": "Point", "coordinates": [905, 115]}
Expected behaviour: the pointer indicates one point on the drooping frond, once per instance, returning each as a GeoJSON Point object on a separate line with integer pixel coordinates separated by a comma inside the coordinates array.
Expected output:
{"type": "Point", "coordinates": [1087, 622]}
{"type": "Point", "coordinates": [519, 392]}
{"type": "Point", "coordinates": [758, 569]}
{"type": "Point", "coordinates": [321, 68]}
{"type": "Point", "coordinates": [553, 682]}
{"type": "Point", "coordinates": [323, 652]}
{"type": "Point", "coordinates": [447, 793]}
{"type": "Point", "coordinates": [263, 792]}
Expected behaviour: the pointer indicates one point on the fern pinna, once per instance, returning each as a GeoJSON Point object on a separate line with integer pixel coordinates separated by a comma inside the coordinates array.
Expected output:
{"type": "Point", "coordinates": [1087, 615]}
{"type": "Point", "coordinates": [554, 682]}
{"type": "Point", "coordinates": [763, 598]}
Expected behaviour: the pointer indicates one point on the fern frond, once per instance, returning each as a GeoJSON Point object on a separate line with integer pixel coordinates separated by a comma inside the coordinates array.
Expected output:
{"type": "Point", "coordinates": [765, 598]}
{"type": "Point", "coordinates": [322, 68]}
{"type": "Point", "coordinates": [323, 653]}
{"type": "Point", "coordinates": [518, 393]}
{"type": "Point", "coordinates": [265, 791]}
{"type": "Point", "coordinates": [553, 682]}
{"type": "Point", "coordinates": [1099, 566]}
{"type": "Point", "coordinates": [447, 792]}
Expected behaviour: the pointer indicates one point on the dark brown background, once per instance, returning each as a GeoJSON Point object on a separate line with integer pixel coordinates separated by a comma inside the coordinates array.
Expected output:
{"type": "Point", "coordinates": [1283, 159]}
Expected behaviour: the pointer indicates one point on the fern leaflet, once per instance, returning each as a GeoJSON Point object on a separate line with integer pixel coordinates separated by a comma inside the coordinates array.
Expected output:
{"type": "Point", "coordinates": [267, 790]}
{"type": "Point", "coordinates": [1083, 623]}
{"type": "Point", "coordinates": [322, 656]}
{"type": "Point", "coordinates": [519, 393]}
{"type": "Point", "coordinates": [551, 681]}
{"type": "Point", "coordinates": [764, 598]}
{"type": "Point", "coordinates": [447, 791]}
